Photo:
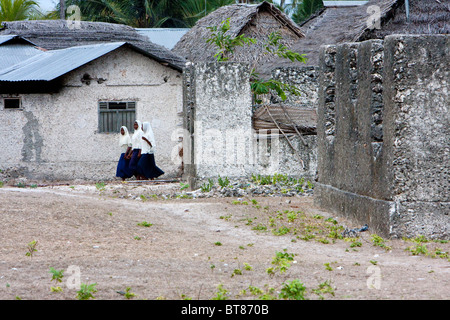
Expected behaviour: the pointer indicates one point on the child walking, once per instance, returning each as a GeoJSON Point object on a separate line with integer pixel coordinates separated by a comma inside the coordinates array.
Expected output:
{"type": "Point", "coordinates": [135, 152]}
{"type": "Point", "coordinates": [146, 165]}
{"type": "Point", "coordinates": [123, 170]}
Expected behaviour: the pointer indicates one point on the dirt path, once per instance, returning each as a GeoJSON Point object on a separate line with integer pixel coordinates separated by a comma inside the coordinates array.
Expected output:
{"type": "Point", "coordinates": [192, 246]}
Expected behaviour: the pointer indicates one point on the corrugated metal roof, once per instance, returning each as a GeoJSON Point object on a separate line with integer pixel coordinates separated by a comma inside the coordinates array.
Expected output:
{"type": "Point", "coordinates": [7, 38]}
{"type": "Point", "coordinates": [55, 34]}
{"type": "Point", "coordinates": [14, 53]}
{"type": "Point", "coordinates": [50, 65]}
{"type": "Point", "coordinates": [166, 37]}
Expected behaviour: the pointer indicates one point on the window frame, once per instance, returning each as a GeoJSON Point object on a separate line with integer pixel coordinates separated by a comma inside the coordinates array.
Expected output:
{"type": "Point", "coordinates": [105, 108]}
{"type": "Point", "coordinates": [12, 98]}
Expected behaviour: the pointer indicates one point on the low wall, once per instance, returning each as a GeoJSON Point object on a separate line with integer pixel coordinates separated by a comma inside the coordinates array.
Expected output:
{"type": "Point", "coordinates": [219, 138]}
{"type": "Point", "coordinates": [383, 128]}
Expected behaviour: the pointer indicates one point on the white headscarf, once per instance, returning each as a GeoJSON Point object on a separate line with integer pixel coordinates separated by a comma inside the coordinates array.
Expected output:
{"type": "Point", "coordinates": [149, 135]}
{"type": "Point", "coordinates": [124, 139]}
{"type": "Point", "coordinates": [136, 138]}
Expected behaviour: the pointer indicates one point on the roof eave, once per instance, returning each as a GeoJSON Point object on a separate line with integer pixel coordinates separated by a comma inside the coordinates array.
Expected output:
{"type": "Point", "coordinates": [148, 54]}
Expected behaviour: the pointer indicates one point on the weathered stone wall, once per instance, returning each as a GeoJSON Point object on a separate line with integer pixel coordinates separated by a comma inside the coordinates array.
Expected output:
{"type": "Point", "coordinates": [223, 143]}
{"type": "Point", "coordinates": [305, 79]}
{"type": "Point", "coordinates": [417, 131]}
{"type": "Point", "coordinates": [219, 138]}
{"type": "Point", "coordinates": [55, 136]}
{"type": "Point", "coordinates": [383, 151]}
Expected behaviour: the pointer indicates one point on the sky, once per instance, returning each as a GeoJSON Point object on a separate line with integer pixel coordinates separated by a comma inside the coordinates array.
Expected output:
{"type": "Point", "coordinates": [46, 5]}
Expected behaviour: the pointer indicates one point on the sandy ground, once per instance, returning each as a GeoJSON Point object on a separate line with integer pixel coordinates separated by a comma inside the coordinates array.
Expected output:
{"type": "Point", "coordinates": [192, 247]}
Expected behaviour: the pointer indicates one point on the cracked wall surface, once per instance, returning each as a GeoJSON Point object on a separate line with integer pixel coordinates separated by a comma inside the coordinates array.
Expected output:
{"type": "Point", "coordinates": [386, 160]}
{"type": "Point", "coordinates": [219, 137]}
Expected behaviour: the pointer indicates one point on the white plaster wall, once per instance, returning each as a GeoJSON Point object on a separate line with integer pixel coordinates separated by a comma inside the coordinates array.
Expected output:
{"type": "Point", "coordinates": [225, 143]}
{"type": "Point", "coordinates": [55, 136]}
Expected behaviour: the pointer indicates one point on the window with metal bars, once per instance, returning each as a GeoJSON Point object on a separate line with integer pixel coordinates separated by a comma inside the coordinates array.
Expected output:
{"type": "Point", "coordinates": [114, 114]}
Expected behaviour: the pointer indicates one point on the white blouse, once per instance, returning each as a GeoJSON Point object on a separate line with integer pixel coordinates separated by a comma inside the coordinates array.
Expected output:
{"type": "Point", "coordinates": [146, 147]}
{"type": "Point", "coordinates": [136, 141]}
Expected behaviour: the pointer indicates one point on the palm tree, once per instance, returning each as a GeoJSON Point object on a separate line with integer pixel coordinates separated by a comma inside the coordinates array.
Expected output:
{"type": "Point", "coordinates": [136, 13]}
{"type": "Point", "coordinates": [12, 10]}
{"type": "Point", "coordinates": [148, 13]}
{"type": "Point", "coordinates": [192, 10]}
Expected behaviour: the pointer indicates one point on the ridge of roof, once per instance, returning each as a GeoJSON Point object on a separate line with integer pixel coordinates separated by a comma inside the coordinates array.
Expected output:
{"type": "Point", "coordinates": [51, 64]}
{"type": "Point", "coordinates": [58, 34]}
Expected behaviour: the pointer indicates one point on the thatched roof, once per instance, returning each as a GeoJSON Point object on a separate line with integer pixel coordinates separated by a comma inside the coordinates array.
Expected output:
{"type": "Point", "coordinates": [425, 17]}
{"type": "Point", "coordinates": [336, 25]}
{"type": "Point", "coordinates": [253, 20]}
{"type": "Point", "coordinates": [332, 25]}
{"type": "Point", "coordinates": [56, 34]}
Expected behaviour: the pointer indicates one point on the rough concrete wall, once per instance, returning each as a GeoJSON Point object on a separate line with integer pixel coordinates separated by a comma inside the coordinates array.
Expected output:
{"type": "Point", "coordinates": [219, 138]}
{"type": "Point", "coordinates": [221, 128]}
{"type": "Point", "coordinates": [351, 180]}
{"type": "Point", "coordinates": [383, 151]}
{"type": "Point", "coordinates": [279, 157]}
{"type": "Point", "coordinates": [417, 130]}
{"type": "Point", "coordinates": [55, 136]}
{"type": "Point", "coordinates": [305, 79]}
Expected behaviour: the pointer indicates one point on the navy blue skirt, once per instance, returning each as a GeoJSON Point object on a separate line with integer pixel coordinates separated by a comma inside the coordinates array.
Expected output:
{"type": "Point", "coordinates": [123, 169]}
{"type": "Point", "coordinates": [147, 166]}
{"type": "Point", "coordinates": [134, 161]}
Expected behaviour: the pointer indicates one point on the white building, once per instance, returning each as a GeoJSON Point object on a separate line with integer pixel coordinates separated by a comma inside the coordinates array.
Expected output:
{"type": "Point", "coordinates": [61, 110]}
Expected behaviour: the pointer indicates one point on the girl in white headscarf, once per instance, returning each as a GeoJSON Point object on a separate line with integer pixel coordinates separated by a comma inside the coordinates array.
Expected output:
{"type": "Point", "coordinates": [146, 165]}
{"type": "Point", "coordinates": [123, 170]}
{"type": "Point", "coordinates": [136, 146]}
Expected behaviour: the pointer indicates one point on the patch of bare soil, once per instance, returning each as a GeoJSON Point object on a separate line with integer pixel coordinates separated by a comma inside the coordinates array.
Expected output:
{"type": "Point", "coordinates": [194, 245]}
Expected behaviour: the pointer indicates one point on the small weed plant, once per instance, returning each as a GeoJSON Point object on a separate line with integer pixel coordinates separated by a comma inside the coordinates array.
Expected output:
{"type": "Point", "coordinates": [100, 186]}
{"type": "Point", "coordinates": [420, 247]}
{"type": "Point", "coordinates": [282, 262]}
{"type": "Point", "coordinates": [207, 187]}
{"type": "Point", "coordinates": [31, 248]}
{"type": "Point", "coordinates": [86, 291]}
{"type": "Point", "coordinates": [223, 182]}
{"type": "Point", "coordinates": [323, 288]}
{"type": "Point", "coordinates": [221, 294]}
{"type": "Point", "coordinates": [293, 290]}
{"type": "Point", "coordinates": [145, 224]}
{"type": "Point", "coordinates": [379, 242]}
{"type": "Point", "coordinates": [183, 186]}
{"type": "Point", "coordinates": [129, 295]}
{"type": "Point", "coordinates": [57, 276]}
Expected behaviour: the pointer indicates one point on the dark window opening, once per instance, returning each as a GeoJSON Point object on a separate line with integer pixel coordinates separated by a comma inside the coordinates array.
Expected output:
{"type": "Point", "coordinates": [117, 105]}
{"type": "Point", "coordinates": [12, 103]}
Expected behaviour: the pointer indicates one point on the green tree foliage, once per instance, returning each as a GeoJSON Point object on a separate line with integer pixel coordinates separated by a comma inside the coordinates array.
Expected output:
{"type": "Point", "coordinates": [224, 42]}
{"type": "Point", "coordinates": [12, 10]}
{"type": "Point", "coordinates": [192, 10]}
{"type": "Point", "coordinates": [226, 45]}
{"type": "Point", "coordinates": [136, 13]}
{"type": "Point", "coordinates": [147, 13]}
{"type": "Point", "coordinates": [305, 9]}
